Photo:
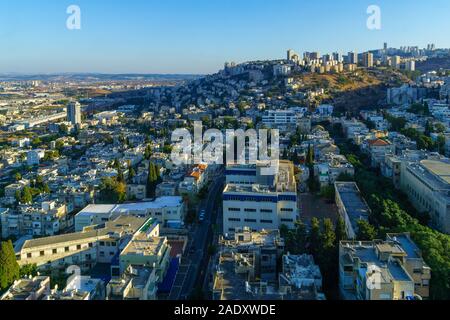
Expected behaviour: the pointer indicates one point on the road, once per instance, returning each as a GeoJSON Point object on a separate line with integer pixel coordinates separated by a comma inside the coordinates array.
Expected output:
{"type": "Point", "coordinates": [193, 268]}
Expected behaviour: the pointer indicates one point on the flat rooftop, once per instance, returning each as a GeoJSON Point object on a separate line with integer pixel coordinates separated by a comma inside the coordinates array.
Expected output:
{"type": "Point", "coordinates": [355, 205]}
{"type": "Point", "coordinates": [127, 224]}
{"type": "Point", "coordinates": [158, 203]}
{"type": "Point", "coordinates": [142, 245]}
{"type": "Point", "coordinates": [440, 169]}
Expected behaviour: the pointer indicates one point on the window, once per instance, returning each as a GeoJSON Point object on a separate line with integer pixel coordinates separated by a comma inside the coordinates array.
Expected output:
{"type": "Point", "coordinates": [287, 210]}
{"type": "Point", "coordinates": [250, 210]}
{"type": "Point", "coordinates": [28, 255]}
{"type": "Point", "coordinates": [234, 220]}
{"type": "Point", "coordinates": [234, 209]}
{"type": "Point", "coordinates": [102, 253]}
{"type": "Point", "coordinates": [266, 211]}
{"type": "Point", "coordinates": [91, 245]}
{"type": "Point", "coordinates": [66, 249]}
{"type": "Point", "coordinates": [266, 221]}
{"type": "Point", "coordinates": [79, 247]}
{"type": "Point", "coordinates": [55, 251]}
{"type": "Point", "coordinates": [102, 243]}
{"type": "Point", "coordinates": [250, 220]}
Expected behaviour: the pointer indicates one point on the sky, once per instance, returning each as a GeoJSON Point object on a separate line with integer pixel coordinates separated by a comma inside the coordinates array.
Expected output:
{"type": "Point", "coordinates": [198, 36]}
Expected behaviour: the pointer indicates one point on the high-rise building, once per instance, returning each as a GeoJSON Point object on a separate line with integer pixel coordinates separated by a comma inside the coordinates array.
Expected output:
{"type": "Point", "coordinates": [396, 61]}
{"type": "Point", "coordinates": [385, 47]}
{"type": "Point", "coordinates": [74, 113]}
{"type": "Point", "coordinates": [352, 58]}
{"type": "Point", "coordinates": [291, 55]}
{"type": "Point", "coordinates": [368, 59]}
{"type": "Point", "coordinates": [410, 65]}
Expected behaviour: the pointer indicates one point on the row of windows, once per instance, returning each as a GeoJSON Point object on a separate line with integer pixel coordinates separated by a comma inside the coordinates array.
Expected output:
{"type": "Point", "coordinates": [249, 220]}
{"type": "Point", "coordinates": [261, 210]}
{"type": "Point", "coordinates": [55, 251]}
{"type": "Point", "coordinates": [273, 199]}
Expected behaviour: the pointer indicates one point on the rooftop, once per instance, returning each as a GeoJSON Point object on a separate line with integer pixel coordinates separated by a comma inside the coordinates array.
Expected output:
{"type": "Point", "coordinates": [123, 224]}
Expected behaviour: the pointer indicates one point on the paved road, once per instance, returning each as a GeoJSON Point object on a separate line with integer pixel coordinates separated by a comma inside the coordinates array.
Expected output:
{"type": "Point", "coordinates": [194, 265]}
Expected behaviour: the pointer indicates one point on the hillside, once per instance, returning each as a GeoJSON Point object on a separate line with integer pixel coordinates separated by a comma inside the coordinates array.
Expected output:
{"type": "Point", "coordinates": [350, 92]}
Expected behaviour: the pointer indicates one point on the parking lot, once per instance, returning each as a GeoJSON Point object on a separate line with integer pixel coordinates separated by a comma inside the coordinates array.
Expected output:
{"type": "Point", "coordinates": [314, 206]}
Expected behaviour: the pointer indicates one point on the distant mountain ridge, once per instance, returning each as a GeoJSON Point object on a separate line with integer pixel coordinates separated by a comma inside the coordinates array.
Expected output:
{"type": "Point", "coordinates": [96, 77]}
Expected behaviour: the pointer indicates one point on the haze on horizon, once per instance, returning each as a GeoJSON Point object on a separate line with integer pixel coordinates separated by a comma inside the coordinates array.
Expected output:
{"type": "Point", "coordinates": [198, 36]}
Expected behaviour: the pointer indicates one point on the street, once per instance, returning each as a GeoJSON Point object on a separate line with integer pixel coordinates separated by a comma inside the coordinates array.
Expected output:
{"type": "Point", "coordinates": [193, 267]}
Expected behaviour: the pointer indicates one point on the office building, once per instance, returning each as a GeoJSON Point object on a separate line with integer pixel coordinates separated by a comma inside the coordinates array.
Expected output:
{"type": "Point", "coordinates": [427, 184]}
{"type": "Point", "coordinates": [252, 199]}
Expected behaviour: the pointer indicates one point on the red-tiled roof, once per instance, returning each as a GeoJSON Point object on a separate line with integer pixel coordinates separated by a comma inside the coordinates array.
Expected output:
{"type": "Point", "coordinates": [378, 143]}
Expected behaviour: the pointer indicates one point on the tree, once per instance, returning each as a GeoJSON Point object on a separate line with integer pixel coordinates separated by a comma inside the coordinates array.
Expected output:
{"type": "Point", "coordinates": [17, 176]}
{"type": "Point", "coordinates": [314, 237]}
{"type": "Point", "coordinates": [310, 156]}
{"type": "Point", "coordinates": [148, 152]}
{"type": "Point", "coordinates": [9, 268]}
{"type": "Point", "coordinates": [28, 270]}
{"type": "Point", "coordinates": [120, 176]}
{"type": "Point", "coordinates": [301, 236]}
{"type": "Point", "coordinates": [131, 173]}
{"type": "Point", "coordinates": [341, 233]}
{"type": "Point", "coordinates": [327, 236]}
{"type": "Point", "coordinates": [26, 196]}
{"type": "Point", "coordinates": [151, 180]}
{"type": "Point", "coordinates": [328, 192]}
{"type": "Point", "coordinates": [112, 191]}
{"type": "Point", "coordinates": [366, 232]}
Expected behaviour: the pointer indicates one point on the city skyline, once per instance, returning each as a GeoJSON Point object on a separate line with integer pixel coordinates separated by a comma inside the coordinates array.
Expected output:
{"type": "Point", "coordinates": [198, 37]}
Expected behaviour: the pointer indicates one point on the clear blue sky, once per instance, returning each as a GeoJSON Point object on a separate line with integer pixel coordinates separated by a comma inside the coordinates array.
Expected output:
{"type": "Point", "coordinates": [198, 36]}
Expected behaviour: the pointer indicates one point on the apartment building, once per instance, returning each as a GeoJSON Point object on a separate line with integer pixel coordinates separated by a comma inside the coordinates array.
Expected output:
{"type": "Point", "coordinates": [282, 119]}
{"type": "Point", "coordinates": [35, 156]}
{"type": "Point", "coordinates": [165, 209]}
{"type": "Point", "coordinates": [146, 250]}
{"type": "Point", "coordinates": [257, 201]}
{"type": "Point", "coordinates": [382, 270]}
{"type": "Point", "coordinates": [351, 206]}
{"type": "Point", "coordinates": [299, 273]}
{"type": "Point", "coordinates": [331, 167]}
{"type": "Point", "coordinates": [247, 269]}
{"type": "Point", "coordinates": [378, 148]}
{"type": "Point", "coordinates": [47, 218]}
{"type": "Point", "coordinates": [427, 184]}
{"type": "Point", "coordinates": [29, 289]}
{"type": "Point", "coordinates": [136, 283]}
{"type": "Point", "coordinates": [94, 244]}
